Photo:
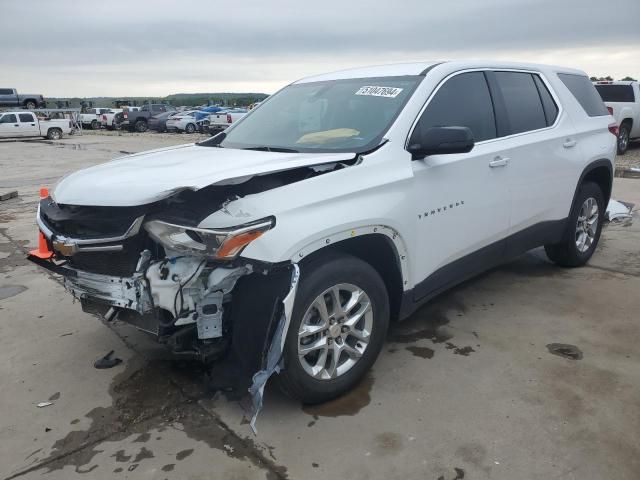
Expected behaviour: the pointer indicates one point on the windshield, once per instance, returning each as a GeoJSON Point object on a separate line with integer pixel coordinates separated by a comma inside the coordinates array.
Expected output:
{"type": "Point", "coordinates": [331, 116]}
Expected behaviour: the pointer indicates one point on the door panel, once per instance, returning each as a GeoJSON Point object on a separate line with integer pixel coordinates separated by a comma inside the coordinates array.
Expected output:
{"type": "Point", "coordinates": [461, 201]}
{"type": "Point", "coordinates": [541, 144]}
{"type": "Point", "coordinates": [28, 125]}
{"type": "Point", "coordinates": [9, 126]}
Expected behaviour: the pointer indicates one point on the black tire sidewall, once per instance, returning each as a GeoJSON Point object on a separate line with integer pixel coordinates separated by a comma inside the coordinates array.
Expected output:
{"type": "Point", "coordinates": [140, 126]}
{"type": "Point", "coordinates": [314, 279]}
{"type": "Point", "coordinates": [587, 190]}
{"type": "Point", "coordinates": [623, 128]}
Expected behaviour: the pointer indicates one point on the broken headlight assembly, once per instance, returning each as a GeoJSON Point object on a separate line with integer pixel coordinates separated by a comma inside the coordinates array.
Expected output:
{"type": "Point", "coordinates": [220, 244]}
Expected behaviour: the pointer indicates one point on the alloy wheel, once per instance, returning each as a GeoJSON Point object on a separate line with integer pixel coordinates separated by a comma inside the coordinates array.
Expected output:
{"type": "Point", "coordinates": [587, 224]}
{"type": "Point", "coordinates": [335, 331]}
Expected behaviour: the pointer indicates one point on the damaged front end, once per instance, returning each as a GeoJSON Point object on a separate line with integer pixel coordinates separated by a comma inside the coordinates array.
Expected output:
{"type": "Point", "coordinates": [152, 267]}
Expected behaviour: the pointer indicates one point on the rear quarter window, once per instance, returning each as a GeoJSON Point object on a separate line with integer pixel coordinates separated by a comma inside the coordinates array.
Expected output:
{"type": "Point", "coordinates": [616, 93]}
{"type": "Point", "coordinates": [585, 93]}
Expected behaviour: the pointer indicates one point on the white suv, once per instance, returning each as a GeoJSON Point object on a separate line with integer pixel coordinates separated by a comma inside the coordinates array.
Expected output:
{"type": "Point", "coordinates": [347, 200]}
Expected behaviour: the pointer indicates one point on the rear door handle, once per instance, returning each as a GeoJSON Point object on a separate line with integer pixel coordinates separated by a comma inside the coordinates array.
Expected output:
{"type": "Point", "coordinates": [569, 143]}
{"type": "Point", "coordinates": [499, 162]}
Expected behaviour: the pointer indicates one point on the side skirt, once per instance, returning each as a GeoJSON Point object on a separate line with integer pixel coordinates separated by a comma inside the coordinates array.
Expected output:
{"type": "Point", "coordinates": [544, 233]}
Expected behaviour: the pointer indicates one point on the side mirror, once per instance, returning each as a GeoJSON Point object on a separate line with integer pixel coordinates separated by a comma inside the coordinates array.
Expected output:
{"type": "Point", "coordinates": [440, 141]}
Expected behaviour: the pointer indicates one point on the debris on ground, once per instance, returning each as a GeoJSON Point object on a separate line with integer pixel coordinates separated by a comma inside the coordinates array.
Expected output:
{"type": "Point", "coordinates": [107, 361]}
{"type": "Point", "coordinates": [8, 195]}
{"type": "Point", "coordinates": [570, 352]}
{"type": "Point", "coordinates": [619, 211]}
{"type": "Point", "coordinates": [44, 404]}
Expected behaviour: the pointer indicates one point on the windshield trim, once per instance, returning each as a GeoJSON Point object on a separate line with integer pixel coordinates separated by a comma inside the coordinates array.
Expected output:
{"type": "Point", "coordinates": [377, 141]}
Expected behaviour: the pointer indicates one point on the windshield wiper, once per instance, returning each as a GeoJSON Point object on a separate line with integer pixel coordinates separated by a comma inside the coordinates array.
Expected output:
{"type": "Point", "coordinates": [272, 149]}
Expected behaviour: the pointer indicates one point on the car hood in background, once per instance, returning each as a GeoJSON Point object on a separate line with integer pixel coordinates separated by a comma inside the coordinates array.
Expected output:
{"type": "Point", "coordinates": [150, 176]}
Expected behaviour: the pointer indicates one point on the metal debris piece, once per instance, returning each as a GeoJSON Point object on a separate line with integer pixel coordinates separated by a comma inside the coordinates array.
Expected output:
{"type": "Point", "coordinates": [44, 404]}
{"type": "Point", "coordinates": [8, 195]}
{"type": "Point", "coordinates": [619, 211]}
{"type": "Point", "coordinates": [107, 361]}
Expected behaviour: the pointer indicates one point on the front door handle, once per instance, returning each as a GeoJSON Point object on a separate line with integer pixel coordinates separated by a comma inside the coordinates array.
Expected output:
{"type": "Point", "coordinates": [16, 125]}
{"type": "Point", "coordinates": [499, 162]}
{"type": "Point", "coordinates": [569, 143]}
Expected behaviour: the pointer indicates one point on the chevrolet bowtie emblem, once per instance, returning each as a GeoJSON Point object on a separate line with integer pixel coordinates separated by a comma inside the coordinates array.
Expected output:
{"type": "Point", "coordinates": [65, 248]}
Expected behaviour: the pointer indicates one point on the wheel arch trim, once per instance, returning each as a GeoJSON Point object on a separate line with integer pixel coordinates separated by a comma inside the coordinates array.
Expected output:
{"type": "Point", "coordinates": [395, 239]}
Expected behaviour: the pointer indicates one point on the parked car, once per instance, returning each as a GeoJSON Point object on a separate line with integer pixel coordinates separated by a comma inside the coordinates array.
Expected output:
{"type": "Point", "coordinates": [290, 241]}
{"type": "Point", "coordinates": [9, 97]}
{"type": "Point", "coordinates": [138, 120]}
{"type": "Point", "coordinates": [92, 117]}
{"type": "Point", "coordinates": [224, 118]}
{"type": "Point", "coordinates": [188, 122]}
{"type": "Point", "coordinates": [26, 124]}
{"type": "Point", "coordinates": [108, 119]}
{"type": "Point", "coordinates": [159, 122]}
{"type": "Point", "coordinates": [623, 101]}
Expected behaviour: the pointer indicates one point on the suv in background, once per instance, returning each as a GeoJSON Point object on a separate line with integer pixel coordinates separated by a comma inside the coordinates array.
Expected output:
{"type": "Point", "coordinates": [623, 102]}
{"type": "Point", "coordinates": [290, 241]}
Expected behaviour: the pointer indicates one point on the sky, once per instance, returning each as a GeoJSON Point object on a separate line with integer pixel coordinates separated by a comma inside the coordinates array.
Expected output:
{"type": "Point", "coordinates": [156, 48]}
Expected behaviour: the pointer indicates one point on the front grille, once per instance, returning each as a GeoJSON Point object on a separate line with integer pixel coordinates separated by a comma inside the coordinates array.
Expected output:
{"type": "Point", "coordinates": [88, 222]}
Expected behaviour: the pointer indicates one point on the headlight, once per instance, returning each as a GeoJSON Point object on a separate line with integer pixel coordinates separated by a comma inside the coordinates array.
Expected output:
{"type": "Point", "coordinates": [222, 244]}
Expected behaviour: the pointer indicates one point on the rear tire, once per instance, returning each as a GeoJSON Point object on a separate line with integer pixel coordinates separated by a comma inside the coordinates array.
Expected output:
{"type": "Point", "coordinates": [54, 134]}
{"type": "Point", "coordinates": [190, 128]}
{"type": "Point", "coordinates": [140, 126]}
{"type": "Point", "coordinates": [356, 333]}
{"type": "Point", "coordinates": [624, 134]}
{"type": "Point", "coordinates": [584, 226]}
{"type": "Point", "coordinates": [95, 125]}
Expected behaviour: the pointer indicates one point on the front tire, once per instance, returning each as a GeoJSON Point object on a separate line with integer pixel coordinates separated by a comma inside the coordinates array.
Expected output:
{"type": "Point", "coordinates": [624, 134]}
{"type": "Point", "coordinates": [30, 105]}
{"type": "Point", "coordinates": [95, 125]}
{"type": "Point", "coordinates": [337, 329]}
{"type": "Point", "coordinates": [190, 128]}
{"type": "Point", "coordinates": [583, 229]}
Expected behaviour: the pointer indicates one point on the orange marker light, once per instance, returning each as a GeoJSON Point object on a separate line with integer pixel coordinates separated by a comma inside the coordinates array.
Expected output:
{"type": "Point", "coordinates": [232, 246]}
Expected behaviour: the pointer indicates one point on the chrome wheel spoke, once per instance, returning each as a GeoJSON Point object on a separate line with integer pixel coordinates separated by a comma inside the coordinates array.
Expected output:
{"type": "Point", "coordinates": [587, 225]}
{"type": "Point", "coordinates": [319, 344]}
{"type": "Point", "coordinates": [335, 331]}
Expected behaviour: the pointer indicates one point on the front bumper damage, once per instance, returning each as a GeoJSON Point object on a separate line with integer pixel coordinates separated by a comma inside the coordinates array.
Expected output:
{"type": "Point", "coordinates": [233, 316]}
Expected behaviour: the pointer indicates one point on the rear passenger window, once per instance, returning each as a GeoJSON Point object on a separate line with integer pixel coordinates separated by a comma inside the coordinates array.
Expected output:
{"type": "Point", "coordinates": [550, 107]}
{"type": "Point", "coordinates": [463, 101]}
{"type": "Point", "coordinates": [522, 101]}
{"type": "Point", "coordinates": [585, 93]}
{"type": "Point", "coordinates": [616, 93]}
{"type": "Point", "coordinates": [26, 117]}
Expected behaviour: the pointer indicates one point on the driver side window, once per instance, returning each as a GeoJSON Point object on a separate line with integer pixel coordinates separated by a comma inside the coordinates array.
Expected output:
{"type": "Point", "coordinates": [463, 101]}
{"type": "Point", "coordinates": [9, 118]}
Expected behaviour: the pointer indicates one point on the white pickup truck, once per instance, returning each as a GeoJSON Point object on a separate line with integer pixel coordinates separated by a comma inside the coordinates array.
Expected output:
{"type": "Point", "coordinates": [26, 124]}
{"type": "Point", "coordinates": [224, 118]}
{"type": "Point", "coordinates": [91, 117]}
{"type": "Point", "coordinates": [623, 102]}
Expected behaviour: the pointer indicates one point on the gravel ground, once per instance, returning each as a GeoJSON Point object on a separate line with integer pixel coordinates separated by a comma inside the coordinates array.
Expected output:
{"type": "Point", "coordinates": [631, 158]}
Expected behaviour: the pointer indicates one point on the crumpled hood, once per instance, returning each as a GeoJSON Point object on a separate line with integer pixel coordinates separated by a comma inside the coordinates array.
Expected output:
{"type": "Point", "coordinates": [150, 176]}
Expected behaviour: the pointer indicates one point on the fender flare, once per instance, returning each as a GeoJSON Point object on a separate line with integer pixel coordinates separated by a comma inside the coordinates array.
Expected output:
{"type": "Point", "coordinates": [589, 168]}
{"type": "Point", "coordinates": [396, 240]}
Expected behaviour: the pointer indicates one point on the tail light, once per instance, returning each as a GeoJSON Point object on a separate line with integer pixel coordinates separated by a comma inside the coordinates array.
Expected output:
{"type": "Point", "coordinates": [229, 118]}
{"type": "Point", "coordinates": [613, 128]}
{"type": "Point", "coordinates": [125, 114]}
{"type": "Point", "coordinates": [610, 110]}
{"type": "Point", "coordinates": [104, 117]}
